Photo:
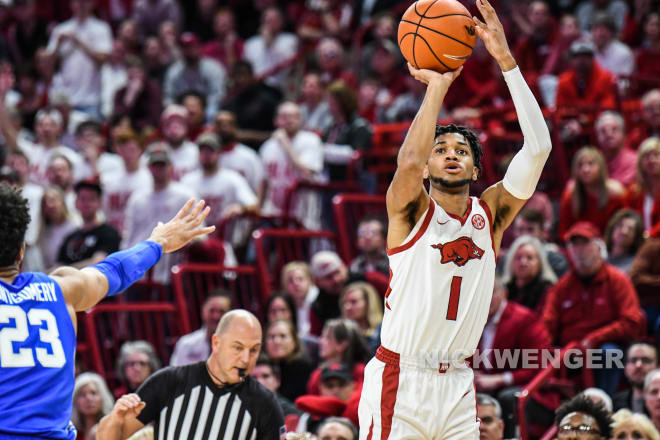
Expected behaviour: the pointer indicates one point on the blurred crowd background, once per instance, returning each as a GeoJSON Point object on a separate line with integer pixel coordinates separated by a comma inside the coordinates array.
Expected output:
{"type": "Point", "coordinates": [286, 117]}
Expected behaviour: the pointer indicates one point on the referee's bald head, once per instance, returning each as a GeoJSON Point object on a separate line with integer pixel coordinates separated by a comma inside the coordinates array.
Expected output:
{"type": "Point", "coordinates": [237, 317]}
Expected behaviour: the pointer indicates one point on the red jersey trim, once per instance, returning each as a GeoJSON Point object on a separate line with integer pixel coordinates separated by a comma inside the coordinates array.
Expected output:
{"type": "Point", "coordinates": [465, 216]}
{"type": "Point", "coordinates": [418, 235]}
{"type": "Point", "coordinates": [484, 205]}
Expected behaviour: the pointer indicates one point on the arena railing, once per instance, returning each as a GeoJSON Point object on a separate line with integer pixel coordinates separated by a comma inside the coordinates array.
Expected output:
{"type": "Point", "coordinates": [348, 211]}
{"type": "Point", "coordinates": [276, 247]}
{"type": "Point", "coordinates": [109, 325]}
{"type": "Point", "coordinates": [553, 376]}
{"type": "Point", "coordinates": [192, 284]}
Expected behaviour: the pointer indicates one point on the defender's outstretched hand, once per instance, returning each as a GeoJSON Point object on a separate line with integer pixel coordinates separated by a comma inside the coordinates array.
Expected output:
{"type": "Point", "coordinates": [426, 75]}
{"type": "Point", "coordinates": [184, 227]}
{"type": "Point", "coordinates": [492, 34]}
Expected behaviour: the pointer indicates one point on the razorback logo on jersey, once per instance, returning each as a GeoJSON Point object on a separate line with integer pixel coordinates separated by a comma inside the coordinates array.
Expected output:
{"type": "Point", "coordinates": [459, 251]}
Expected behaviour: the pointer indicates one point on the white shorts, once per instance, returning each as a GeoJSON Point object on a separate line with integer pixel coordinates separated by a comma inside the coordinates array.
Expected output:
{"type": "Point", "coordinates": [402, 399]}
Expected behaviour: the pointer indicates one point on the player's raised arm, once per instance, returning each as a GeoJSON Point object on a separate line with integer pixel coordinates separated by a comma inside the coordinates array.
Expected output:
{"type": "Point", "coordinates": [84, 288]}
{"type": "Point", "coordinates": [507, 197]}
{"type": "Point", "coordinates": [406, 186]}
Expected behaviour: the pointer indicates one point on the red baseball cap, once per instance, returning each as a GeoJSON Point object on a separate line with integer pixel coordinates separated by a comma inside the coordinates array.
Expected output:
{"type": "Point", "coordinates": [321, 405]}
{"type": "Point", "coordinates": [582, 229]}
{"type": "Point", "coordinates": [188, 39]}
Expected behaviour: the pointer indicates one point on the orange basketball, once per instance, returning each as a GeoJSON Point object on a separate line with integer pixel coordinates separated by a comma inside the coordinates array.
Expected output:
{"type": "Point", "coordinates": [436, 34]}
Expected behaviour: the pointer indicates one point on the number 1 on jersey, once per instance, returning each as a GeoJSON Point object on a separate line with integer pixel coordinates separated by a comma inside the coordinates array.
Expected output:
{"type": "Point", "coordinates": [454, 296]}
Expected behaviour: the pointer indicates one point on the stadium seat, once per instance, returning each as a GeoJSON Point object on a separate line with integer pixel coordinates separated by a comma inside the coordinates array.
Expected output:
{"type": "Point", "coordinates": [380, 163]}
{"type": "Point", "coordinates": [552, 378]}
{"type": "Point", "coordinates": [389, 135]}
{"type": "Point", "coordinates": [237, 229]}
{"type": "Point", "coordinates": [193, 282]}
{"type": "Point", "coordinates": [110, 325]}
{"type": "Point", "coordinates": [276, 247]}
{"type": "Point", "coordinates": [500, 149]}
{"type": "Point", "coordinates": [348, 210]}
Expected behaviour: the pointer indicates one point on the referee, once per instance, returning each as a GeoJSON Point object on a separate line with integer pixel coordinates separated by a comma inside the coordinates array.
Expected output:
{"type": "Point", "coordinates": [212, 399]}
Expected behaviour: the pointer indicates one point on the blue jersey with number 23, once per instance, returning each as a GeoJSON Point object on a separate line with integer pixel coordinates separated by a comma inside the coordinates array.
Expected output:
{"type": "Point", "coordinates": [37, 349]}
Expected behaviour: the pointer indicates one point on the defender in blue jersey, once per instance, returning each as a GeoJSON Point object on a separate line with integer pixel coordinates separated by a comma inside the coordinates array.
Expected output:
{"type": "Point", "coordinates": [38, 316]}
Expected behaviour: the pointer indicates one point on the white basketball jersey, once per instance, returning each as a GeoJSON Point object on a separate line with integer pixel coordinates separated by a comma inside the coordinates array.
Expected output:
{"type": "Point", "coordinates": [441, 284]}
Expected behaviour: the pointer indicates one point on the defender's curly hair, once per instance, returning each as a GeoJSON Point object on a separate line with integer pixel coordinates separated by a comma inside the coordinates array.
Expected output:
{"type": "Point", "coordinates": [585, 405]}
{"type": "Point", "coordinates": [14, 219]}
{"type": "Point", "coordinates": [469, 135]}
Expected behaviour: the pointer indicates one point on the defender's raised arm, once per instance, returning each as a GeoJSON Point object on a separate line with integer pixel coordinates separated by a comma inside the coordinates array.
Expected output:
{"type": "Point", "coordinates": [84, 288]}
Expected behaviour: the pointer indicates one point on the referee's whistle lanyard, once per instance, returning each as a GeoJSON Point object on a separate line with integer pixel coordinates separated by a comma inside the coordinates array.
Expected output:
{"type": "Point", "coordinates": [241, 374]}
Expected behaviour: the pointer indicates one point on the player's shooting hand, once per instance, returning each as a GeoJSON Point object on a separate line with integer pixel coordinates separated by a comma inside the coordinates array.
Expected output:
{"type": "Point", "coordinates": [184, 227]}
{"type": "Point", "coordinates": [427, 76]}
{"type": "Point", "coordinates": [492, 34]}
{"type": "Point", "coordinates": [128, 405]}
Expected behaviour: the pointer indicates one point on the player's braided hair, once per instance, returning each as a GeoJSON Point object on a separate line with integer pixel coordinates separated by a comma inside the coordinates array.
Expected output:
{"type": "Point", "coordinates": [469, 135]}
{"type": "Point", "coordinates": [14, 219]}
{"type": "Point", "coordinates": [585, 405]}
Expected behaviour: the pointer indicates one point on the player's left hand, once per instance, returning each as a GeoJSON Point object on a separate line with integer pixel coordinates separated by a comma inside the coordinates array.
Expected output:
{"type": "Point", "coordinates": [492, 34]}
{"type": "Point", "coordinates": [183, 228]}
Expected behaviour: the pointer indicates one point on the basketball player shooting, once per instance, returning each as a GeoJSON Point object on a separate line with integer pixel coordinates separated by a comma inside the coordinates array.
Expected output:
{"type": "Point", "coordinates": [442, 248]}
{"type": "Point", "coordinates": [38, 316]}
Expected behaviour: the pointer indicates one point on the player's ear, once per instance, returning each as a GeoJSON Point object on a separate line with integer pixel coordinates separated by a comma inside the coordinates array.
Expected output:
{"type": "Point", "coordinates": [425, 172]}
{"type": "Point", "coordinates": [21, 254]}
{"type": "Point", "coordinates": [475, 173]}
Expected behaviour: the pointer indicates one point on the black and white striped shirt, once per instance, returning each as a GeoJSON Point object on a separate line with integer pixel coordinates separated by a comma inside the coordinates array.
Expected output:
{"type": "Point", "coordinates": [184, 403]}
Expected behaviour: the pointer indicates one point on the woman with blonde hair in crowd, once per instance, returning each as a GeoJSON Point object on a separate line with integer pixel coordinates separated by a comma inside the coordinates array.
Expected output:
{"type": "Point", "coordinates": [624, 236]}
{"type": "Point", "coordinates": [92, 400]}
{"type": "Point", "coordinates": [643, 196]}
{"type": "Point", "coordinates": [361, 303]}
{"type": "Point", "coordinates": [527, 274]}
{"type": "Point", "coordinates": [297, 281]}
{"type": "Point", "coordinates": [632, 426]}
{"type": "Point", "coordinates": [285, 348]}
{"type": "Point", "coordinates": [591, 196]}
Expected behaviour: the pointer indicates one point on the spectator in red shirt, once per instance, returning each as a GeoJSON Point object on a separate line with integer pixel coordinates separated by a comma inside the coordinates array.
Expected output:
{"type": "Point", "coordinates": [326, 18]}
{"type": "Point", "coordinates": [339, 394]}
{"type": "Point", "coordinates": [594, 304]}
{"type": "Point", "coordinates": [510, 326]}
{"type": "Point", "coordinates": [140, 99]}
{"type": "Point", "coordinates": [227, 46]}
{"type": "Point", "coordinates": [533, 49]}
{"type": "Point", "coordinates": [330, 58]}
{"type": "Point", "coordinates": [195, 103]}
{"type": "Point", "coordinates": [341, 341]}
{"type": "Point", "coordinates": [648, 58]}
{"type": "Point", "coordinates": [611, 137]}
{"type": "Point", "coordinates": [591, 196]}
{"type": "Point", "coordinates": [584, 88]}
{"type": "Point", "coordinates": [632, 33]}
{"type": "Point", "coordinates": [558, 60]}
{"type": "Point", "coordinates": [650, 125]}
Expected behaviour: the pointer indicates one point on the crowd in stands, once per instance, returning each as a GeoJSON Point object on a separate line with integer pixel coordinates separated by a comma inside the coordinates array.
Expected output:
{"type": "Point", "coordinates": [114, 112]}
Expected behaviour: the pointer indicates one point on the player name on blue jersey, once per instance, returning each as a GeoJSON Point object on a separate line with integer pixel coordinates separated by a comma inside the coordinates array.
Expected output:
{"type": "Point", "coordinates": [44, 292]}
